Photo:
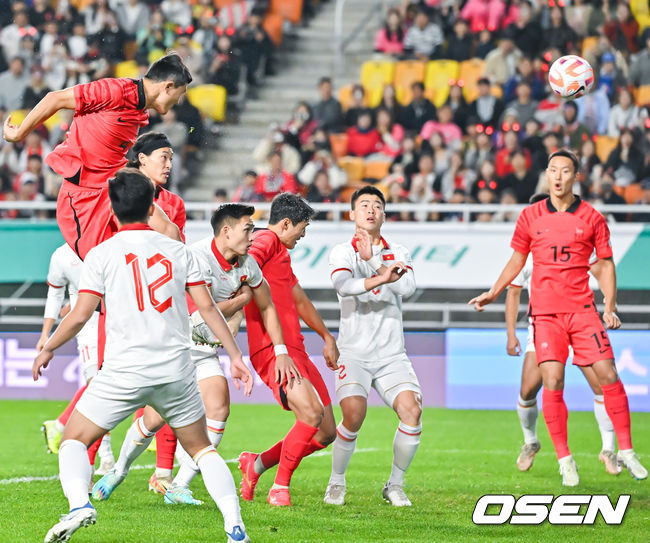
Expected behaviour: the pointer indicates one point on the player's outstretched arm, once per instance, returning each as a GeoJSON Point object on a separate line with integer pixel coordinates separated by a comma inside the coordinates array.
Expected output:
{"type": "Point", "coordinates": [214, 319]}
{"type": "Point", "coordinates": [510, 271]}
{"type": "Point", "coordinates": [48, 106]}
{"type": "Point", "coordinates": [70, 326]}
{"type": "Point", "coordinates": [512, 310]}
{"type": "Point", "coordinates": [606, 276]}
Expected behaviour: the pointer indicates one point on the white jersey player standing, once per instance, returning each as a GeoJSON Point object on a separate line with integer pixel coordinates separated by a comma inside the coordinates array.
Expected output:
{"type": "Point", "coordinates": [371, 277]}
{"type": "Point", "coordinates": [142, 276]}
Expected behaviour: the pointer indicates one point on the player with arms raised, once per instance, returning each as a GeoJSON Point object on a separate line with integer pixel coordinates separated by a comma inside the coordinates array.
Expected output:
{"type": "Point", "coordinates": [562, 232]}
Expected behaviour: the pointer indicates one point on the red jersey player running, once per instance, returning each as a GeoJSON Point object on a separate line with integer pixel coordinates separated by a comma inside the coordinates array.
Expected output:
{"type": "Point", "coordinates": [562, 232]}
{"type": "Point", "coordinates": [304, 394]}
{"type": "Point", "coordinates": [108, 114]}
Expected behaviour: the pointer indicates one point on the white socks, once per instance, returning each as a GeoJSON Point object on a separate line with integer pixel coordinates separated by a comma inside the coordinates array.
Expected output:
{"type": "Point", "coordinates": [188, 468]}
{"type": "Point", "coordinates": [215, 431]}
{"type": "Point", "coordinates": [74, 472]}
{"type": "Point", "coordinates": [604, 424]}
{"type": "Point", "coordinates": [406, 442]}
{"type": "Point", "coordinates": [528, 413]}
{"type": "Point", "coordinates": [342, 451]}
{"type": "Point", "coordinates": [105, 450]}
{"type": "Point", "coordinates": [136, 441]}
{"type": "Point", "coordinates": [221, 486]}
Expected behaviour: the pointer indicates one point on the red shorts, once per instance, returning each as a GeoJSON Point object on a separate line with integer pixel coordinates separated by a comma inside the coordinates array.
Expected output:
{"type": "Point", "coordinates": [585, 332]}
{"type": "Point", "coordinates": [84, 217]}
{"type": "Point", "coordinates": [264, 363]}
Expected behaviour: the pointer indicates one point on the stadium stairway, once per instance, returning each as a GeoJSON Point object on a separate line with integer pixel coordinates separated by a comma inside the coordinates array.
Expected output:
{"type": "Point", "coordinates": [301, 61]}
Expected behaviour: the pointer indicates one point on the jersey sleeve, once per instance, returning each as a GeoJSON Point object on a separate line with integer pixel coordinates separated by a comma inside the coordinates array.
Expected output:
{"type": "Point", "coordinates": [54, 302]}
{"type": "Point", "coordinates": [602, 242]}
{"type": "Point", "coordinates": [55, 275]}
{"type": "Point", "coordinates": [92, 275]}
{"type": "Point", "coordinates": [255, 276]}
{"type": "Point", "coordinates": [101, 95]}
{"type": "Point", "coordinates": [405, 285]}
{"type": "Point", "coordinates": [262, 248]}
{"type": "Point", "coordinates": [521, 238]}
{"type": "Point", "coordinates": [195, 273]}
{"type": "Point", "coordinates": [340, 265]}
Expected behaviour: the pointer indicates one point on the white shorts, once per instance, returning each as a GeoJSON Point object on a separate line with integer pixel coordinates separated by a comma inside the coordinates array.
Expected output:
{"type": "Point", "coordinates": [88, 356]}
{"type": "Point", "coordinates": [206, 361]}
{"type": "Point", "coordinates": [530, 343]}
{"type": "Point", "coordinates": [107, 402]}
{"type": "Point", "coordinates": [354, 378]}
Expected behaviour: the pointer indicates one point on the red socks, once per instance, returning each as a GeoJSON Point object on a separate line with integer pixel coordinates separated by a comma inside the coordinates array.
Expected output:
{"type": "Point", "coordinates": [296, 445]}
{"type": "Point", "coordinates": [165, 447]}
{"type": "Point", "coordinates": [556, 416]}
{"type": "Point", "coordinates": [92, 451]}
{"type": "Point", "coordinates": [618, 410]}
{"type": "Point", "coordinates": [65, 416]}
{"type": "Point", "coordinates": [271, 457]}
{"type": "Point", "coordinates": [313, 446]}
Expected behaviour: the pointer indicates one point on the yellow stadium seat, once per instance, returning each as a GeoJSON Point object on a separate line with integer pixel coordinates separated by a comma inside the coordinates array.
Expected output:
{"type": "Point", "coordinates": [374, 77]}
{"type": "Point", "coordinates": [604, 146]}
{"type": "Point", "coordinates": [353, 166]}
{"type": "Point", "coordinates": [588, 44]}
{"type": "Point", "coordinates": [407, 72]}
{"type": "Point", "coordinates": [642, 95]}
{"type": "Point", "coordinates": [339, 144]}
{"type": "Point", "coordinates": [128, 68]}
{"type": "Point", "coordinates": [155, 54]}
{"type": "Point", "coordinates": [440, 75]}
{"type": "Point", "coordinates": [376, 170]}
{"type": "Point", "coordinates": [641, 11]}
{"type": "Point", "coordinates": [54, 120]}
{"type": "Point", "coordinates": [210, 100]}
{"type": "Point", "coordinates": [18, 116]}
{"type": "Point", "coordinates": [470, 71]}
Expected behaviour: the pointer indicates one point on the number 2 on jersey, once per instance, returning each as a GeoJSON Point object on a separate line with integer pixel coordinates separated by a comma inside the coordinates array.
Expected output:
{"type": "Point", "coordinates": [137, 278]}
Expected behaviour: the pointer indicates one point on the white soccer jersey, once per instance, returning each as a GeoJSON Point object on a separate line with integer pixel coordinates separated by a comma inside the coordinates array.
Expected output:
{"type": "Point", "coordinates": [142, 276]}
{"type": "Point", "coordinates": [371, 322]}
{"type": "Point", "coordinates": [64, 271]}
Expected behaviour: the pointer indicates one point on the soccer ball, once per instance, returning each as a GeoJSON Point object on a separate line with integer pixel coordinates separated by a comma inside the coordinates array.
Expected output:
{"type": "Point", "coordinates": [571, 76]}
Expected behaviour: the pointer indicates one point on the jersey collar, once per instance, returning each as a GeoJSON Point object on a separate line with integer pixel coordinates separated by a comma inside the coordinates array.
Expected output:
{"type": "Point", "coordinates": [571, 209]}
{"type": "Point", "coordinates": [135, 226]}
{"type": "Point", "coordinates": [225, 265]}
{"type": "Point", "coordinates": [142, 99]}
{"type": "Point", "coordinates": [383, 243]}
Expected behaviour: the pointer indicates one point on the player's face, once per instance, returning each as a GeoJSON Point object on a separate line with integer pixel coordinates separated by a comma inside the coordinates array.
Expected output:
{"type": "Point", "coordinates": [158, 165]}
{"type": "Point", "coordinates": [293, 233]}
{"type": "Point", "coordinates": [561, 176]}
{"type": "Point", "coordinates": [368, 212]}
{"type": "Point", "coordinates": [169, 97]}
{"type": "Point", "coordinates": [240, 236]}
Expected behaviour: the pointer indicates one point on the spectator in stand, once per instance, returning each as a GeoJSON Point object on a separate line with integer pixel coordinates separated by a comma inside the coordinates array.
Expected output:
{"type": "Point", "coordinates": [522, 181]}
{"type": "Point", "coordinates": [485, 45]}
{"type": "Point", "coordinates": [321, 192]}
{"type": "Point", "coordinates": [358, 105]}
{"type": "Point", "coordinates": [396, 195]}
{"type": "Point", "coordinates": [363, 139]}
{"type": "Point", "coordinates": [48, 37]}
{"type": "Point", "coordinates": [225, 68]}
{"type": "Point", "coordinates": [13, 84]}
{"type": "Point", "coordinates": [625, 162]}
{"type": "Point", "coordinates": [588, 158]}
{"type": "Point", "coordinates": [622, 30]}
{"type": "Point", "coordinates": [322, 161]}
{"type": "Point", "coordinates": [78, 42]}
{"type": "Point", "coordinates": [421, 187]}
{"type": "Point", "coordinates": [424, 39]}
{"type": "Point", "coordinates": [132, 16]}
{"type": "Point", "coordinates": [245, 191]}
{"type": "Point", "coordinates": [624, 114]}
{"type": "Point", "coordinates": [406, 163]}
{"type": "Point", "coordinates": [274, 141]}
{"type": "Point", "coordinates": [206, 37]}
{"type": "Point", "coordinates": [451, 179]}
{"type": "Point", "coordinates": [578, 15]}
{"type": "Point", "coordinates": [573, 131]}
{"type": "Point", "coordinates": [610, 76]}
{"type": "Point", "coordinates": [327, 111]}
{"type": "Point", "coordinates": [525, 72]}
{"type": "Point", "coordinates": [490, 14]}
{"type": "Point", "coordinates": [9, 158]}
{"type": "Point", "coordinates": [486, 179]}
{"type": "Point", "coordinates": [593, 111]}
{"type": "Point", "coordinates": [275, 180]}
{"type": "Point", "coordinates": [255, 45]}
{"type": "Point", "coordinates": [177, 12]}
{"type": "Point", "coordinates": [526, 31]}
{"type": "Point", "coordinates": [450, 132]}
{"type": "Point", "coordinates": [419, 111]}
{"type": "Point", "coordinates": [508, 197]}
{"type": "Point", "coordinates": [559, 34]}
{"type": "Point", "coordinates": [389, 102]}
{"type": "Point", "coordinates": [301, 127]}
{"type": "Point", "coordinates": [176, 133]}
{"type": "Point", "coordinates": [456, 101]}
{"type": "Point", "coordinates": [220, 197]}
{"type": "Point", "coordinates": [524, 107]}
{"type": "Point", "coordinates": [391, 134]}
{"type": "Point", "coordinates": [27, 191]}
{"type": "Point", "coordinates": [640, 67]}
{"type": "Point", "coordinates": [36, 90]}
{"type": "Point", "coordinates": [480, 150]}
{"type": "Point", "coordinates": [11, 34]}
{"type": "Point", "coordinates": [112, 38]}
{"type": "Point", "coordinates": [486, 108]}
{"type": "Point", "coordinates": [95, 16]}
{"type": "Point", "coordinates": [460, 44]}
{"type": "Point", "coordinates": [501, 63]}
{"type": "Point", "coordinates": [34, 145]}
{"type": "Point", "coordinates": [503, 161]}
{"type": "Point", "coordinates": [155, 36]}
{"type": "Point", "coordinates": [435, 146]}
{"type": "Point", "coordinates": [389, 39]}
{"type": "Point", "coordinates": [606, 194]}
{"type": "Point", "coordinates": [40, 13]}
{"type": "Point", "coordinates": [191, 118]}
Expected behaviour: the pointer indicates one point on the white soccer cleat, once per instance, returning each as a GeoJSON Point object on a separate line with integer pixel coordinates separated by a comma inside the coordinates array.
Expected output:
{"type": "Point", "coordinates": [611, 462]}
{"type": "Point", "coordinates": [569, 471]}
{"type": "Point", "coordinates": [238, 535]}
{"type": "Point", "coordinates": [180, 495]}
{"type": "Point", "coordinates": [105, 465]}
{"type": "Point", "coordinates": [527, 455]}
{"type": "Point", "coordinates": [160, 485]}
{"type": "Point", "coordinates": [70, 523]}
{"type": "Point", "coordinates": [394, 494]}
{"type": "Point", "coordinates": [335, 494]}
{"type": "Point", "coordinates": [631, 462]}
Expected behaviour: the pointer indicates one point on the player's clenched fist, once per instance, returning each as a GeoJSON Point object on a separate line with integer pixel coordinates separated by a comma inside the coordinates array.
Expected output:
{"type": "Point", "coordinates": [393, 273]}
{"type": "Point", "coordinates": [40, 362]}
{"type": "Point", "coordinates": [611, 320]}
{"type": "Point", "coordinates": [513, 347]}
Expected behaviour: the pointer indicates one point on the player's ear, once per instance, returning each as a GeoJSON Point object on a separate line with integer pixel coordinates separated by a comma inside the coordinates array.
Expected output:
{"type": "Point", "coordinates": [152, 207]}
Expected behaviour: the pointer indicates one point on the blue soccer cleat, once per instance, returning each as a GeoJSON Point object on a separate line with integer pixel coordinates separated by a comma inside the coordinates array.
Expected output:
{"type": "Point", "coordinates": [103, 488]}
{"type": "Point", "coordinates": [71, 522]}
{"type": "Point", "coordinates": [238, 535]}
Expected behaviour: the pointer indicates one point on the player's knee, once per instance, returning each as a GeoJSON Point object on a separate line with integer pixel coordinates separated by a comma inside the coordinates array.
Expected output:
{"type": "Point", "coordinates": [218, 411]}
{"type": "Point", "coordinates": [609, 377]}
{"type": "Point", "coordinates": [409, 410]}
{"type": "Point", "coordinates": [553, 382]}
{"type": "Point", "coordinates": [311, 414]}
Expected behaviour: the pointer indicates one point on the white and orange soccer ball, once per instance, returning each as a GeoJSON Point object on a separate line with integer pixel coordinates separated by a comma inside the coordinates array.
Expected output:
{"type": "Point", "coordinates": [571, 76]}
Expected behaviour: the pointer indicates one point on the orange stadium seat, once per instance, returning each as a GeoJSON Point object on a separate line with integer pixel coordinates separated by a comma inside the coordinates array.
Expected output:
{"type": "Point", "coordinates": [339, 144]}
{"type": "Point", "coordinates": [345, 97]}
{"type": "Point", "coordinates": [407, 72]}
{"type": "Point", "coordinates": [496, 91]}
{"type": "Point", "coordinates": [439, 76]}
{"type": "Point", "coordinates": [633, 193]}
{"type": "Point", "coordinates": [210, 100]}
{"type": "Point", "coordinates": [589, 43]}
{"type": "Point", "coordinates": [642, 95]}
{"type": "Point", "coordinates": [604, 146]}
{"type": "Point", "coordinates": [346, 194]}
{"type": "Point", "coordinates": [223, 3]}
{"type": "Point", "coordinates": [376, 170]}
{"type": "Point", "coordinates": [374, 77]}
{"type": "Point", "coordinates": [291, 10]}
{"type": "Point", "coordinates": [128, 68]}
{"type": "Point", "coordinates": [470, 71]}
{"type": "Point", "coordinates": [273, 26]}
{"type": "Point", "coordinates": [353, 166]}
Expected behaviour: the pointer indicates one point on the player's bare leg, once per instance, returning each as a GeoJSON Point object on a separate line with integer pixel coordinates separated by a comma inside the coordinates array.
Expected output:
{"type": "Point", "coordinates": [531, 382]}
{"type": "Point", "coordinates": [618, 409]}
{"type": "Point", "coordinates": [354, 410]}
{"type": "Point", "coordinates": [608, 452]}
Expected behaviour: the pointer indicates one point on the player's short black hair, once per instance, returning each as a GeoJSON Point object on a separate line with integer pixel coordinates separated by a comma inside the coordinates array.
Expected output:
{"type": "Point", "coordinates": [131, 194]}
{"type": "Point", "coordinates": [170, 68]}
{"type": "Point", "coordinates": [147, 143]}
{"type": "Point", "coordinates": [290, 206]}
{"type": "Point", "coordinates": [537, 197]}
{"type": "Point", "coordinates": [368, 189]}
{"type": "Point", "coordinates": [229, 211]}
{"type": "Point", "coordinates": [567, 154]}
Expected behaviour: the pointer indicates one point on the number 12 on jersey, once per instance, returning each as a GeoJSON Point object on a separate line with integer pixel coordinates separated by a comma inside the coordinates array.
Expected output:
{"type": "Point", "coordinates": [134, 262]}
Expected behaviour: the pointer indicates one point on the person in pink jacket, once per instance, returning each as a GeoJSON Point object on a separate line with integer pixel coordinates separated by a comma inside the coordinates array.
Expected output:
{"type": "Point", "coordinates": [490, 14]}
{"type": "Point", "coordinates": [390, 38]}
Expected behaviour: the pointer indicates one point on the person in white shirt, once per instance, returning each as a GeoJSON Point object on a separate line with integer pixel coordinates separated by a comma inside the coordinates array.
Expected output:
{"type": "Point", "coordinates": [371, 277]}
{"type": "Point", "coordinates": [142, 277]}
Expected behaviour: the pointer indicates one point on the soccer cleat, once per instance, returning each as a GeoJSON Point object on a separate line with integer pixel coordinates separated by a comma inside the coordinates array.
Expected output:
{"type": "Point", "coordinates": [569, 471]}
{"type": "Point", "coordinates": [105, 465]}
{"type": "Point", "coordinates": [335, 494]}
{"type": "Point", "coordinates": [52, 436]}
{"type": "Point", "coordinates": [238, 535]}
{"type": "Point", "coordinates": [177, 494]}
{"type": "Point", "coordinates": [249, 476]}
{"type": "Point", "coordinates": [611, 463]}
{"type": "Point", "coordinates": [394, 494]}
{"type": "Point", "coordinates": [159, 485]}
{"type": "Point", "coordinates": [631, 462]}
{"type": "Point", "coordinates": [70, 523]}
{"type": "Point", "coordinates": [527, 455]}
{"type": "Point", "coordinates": [279, 497]}
{"type": "Point", "coordinates": [105, 486]}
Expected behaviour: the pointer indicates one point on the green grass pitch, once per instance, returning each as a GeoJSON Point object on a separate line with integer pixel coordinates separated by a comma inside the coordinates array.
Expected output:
{"type": "Point", "coordinates": [463, 455]}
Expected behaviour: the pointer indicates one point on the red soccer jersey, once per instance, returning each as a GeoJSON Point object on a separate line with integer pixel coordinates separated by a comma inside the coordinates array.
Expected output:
{"type": "Point", "coordinates": [108, 114]}
{"type": "Point", "coordinates": [561, 244]}
{"type": "Point", "coordinates": [173, 206]}
{"type": "Point", "coordinates": [275, 262]}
